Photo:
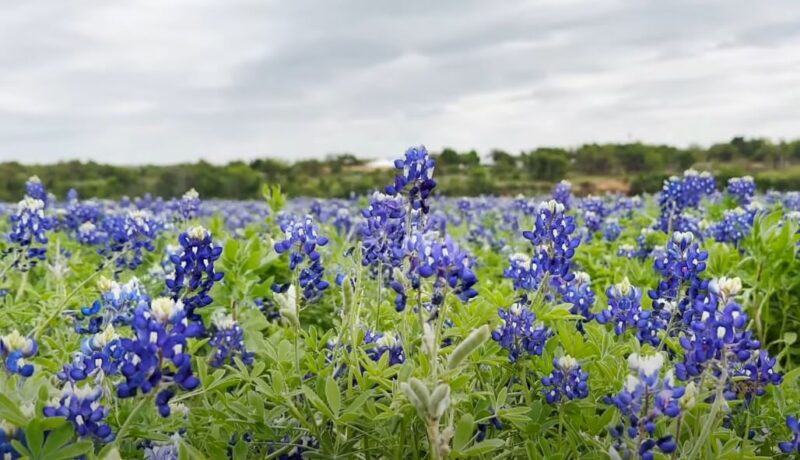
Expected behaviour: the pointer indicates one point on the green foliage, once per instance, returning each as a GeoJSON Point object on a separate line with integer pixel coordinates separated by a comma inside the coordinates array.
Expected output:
{"type": "Point", "coordinates": [643, 166]}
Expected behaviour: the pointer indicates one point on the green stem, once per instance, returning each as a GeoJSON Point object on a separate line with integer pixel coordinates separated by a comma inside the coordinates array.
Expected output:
{"type": "Point", "coordinates": [131, 416]}
{"type": "Point", "coordinates": [22, 284]}
{"type": "Point", "coordinates": [60, 308]}
{"type": "Point", "coordinates": [719, 398]}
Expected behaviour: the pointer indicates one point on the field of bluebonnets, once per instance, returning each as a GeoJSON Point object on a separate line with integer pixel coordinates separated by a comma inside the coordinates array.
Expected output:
{"type": "Point", "coordinates": [403, 325]}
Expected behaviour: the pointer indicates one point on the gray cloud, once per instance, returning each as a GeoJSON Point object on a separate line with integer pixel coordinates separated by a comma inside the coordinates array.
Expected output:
{"type": "Point", "coordinates": [162, 82]}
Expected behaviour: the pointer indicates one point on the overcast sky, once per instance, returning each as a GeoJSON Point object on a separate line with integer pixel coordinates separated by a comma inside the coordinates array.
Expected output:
{"type": "Point", "coordinates": [170, 81]}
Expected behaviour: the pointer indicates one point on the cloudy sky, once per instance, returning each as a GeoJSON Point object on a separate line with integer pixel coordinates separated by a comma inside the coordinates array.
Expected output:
{"type": "Point", "coordinates": [169, 81]}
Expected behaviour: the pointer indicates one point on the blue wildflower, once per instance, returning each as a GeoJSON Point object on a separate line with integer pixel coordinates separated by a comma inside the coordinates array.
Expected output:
{"type": "Point", "coordinates": [15, 349]}
{"type": "Point", "coordinates": [624, 306]}
{"type": "Point", "coordinates": [228, 340]}
{"type": "Point", "coordinates": [81, 407]}
{"type": "Point", "coordinates": [519, 333]}
{"type": "Point", "coordinates": [567, 380]}
{"type": "Point", "coordinates": [742, 189]}
{"type": "Point", "coordinates": [417, 176]}
{"type": "Point", "coordinates": [787, 447]}
{"type": "Point", "coordinates": [194, 274]}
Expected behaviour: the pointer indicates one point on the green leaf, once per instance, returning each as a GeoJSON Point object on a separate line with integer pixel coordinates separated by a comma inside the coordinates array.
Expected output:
{"type": "Point", "coordinates": [56, 440]}
{"type": "Point", "coordinates": [317, 402]}
{"type": "Point", "coordinates": [240, 450]}
{"type": "Point", "coordinates": [483, 447]}
{"type": "Point", "coordinates": [35, 437]}
{"type": "Point", "coordinates": [464, 430]}
{"type": "Point", "coordinates": [10, 412]}
{"type": "Point", "coordinates": [333, 396]}
{"type": "Point", "coordinates": [72, 451]}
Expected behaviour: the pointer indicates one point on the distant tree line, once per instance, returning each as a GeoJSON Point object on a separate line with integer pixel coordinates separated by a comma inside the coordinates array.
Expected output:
{"type": "Point", "coordinates": [642, 166]}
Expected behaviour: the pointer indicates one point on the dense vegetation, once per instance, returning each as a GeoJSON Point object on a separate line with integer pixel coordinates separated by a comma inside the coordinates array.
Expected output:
{"type": "Point", "coordinates": [403, 324]}
{"type": "Point", "coordinates": [637, 167]}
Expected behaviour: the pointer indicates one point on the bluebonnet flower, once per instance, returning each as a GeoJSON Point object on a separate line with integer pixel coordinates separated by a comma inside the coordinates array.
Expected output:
{"type": "Point", "coordinates": [228, 339]}
{"type": "Point", "coordinates": [519, 332]}
{"type": "Point", "coordinates": [29, 227]}
{"type": "Point", "coordinates": [80, 212]}
{"type": "Point", "coordinates": [553, 240]}
{"type": "Point", "coordinates": [383, 232]}
{"type": "Point", "coordinates": [8, 433]}
{"type": "Point", "coordinates": [624, 306]}
{"type": "Point", "coordinates": [717, 331]}
{"type": "Point", "coordinates": [102, 351]}
{"type": "Point", "coordinates": [787, 447]}
{"type": "Point", "coordinates": [567, 380]}
{"type": "Point", "coordinates": [680, 267]}
{"type": "Point", "coordinates": [35, 189]}
{"type": "Point", "coordinates": [189, 205]}
{"type": "Point", "coordinates": [168, 450]}
{"type": "Point", "coordinates": [752, 377]}
{"type": "Point", "coordinates": [742, 189]}
{"type": "Point", "coordinates": [343, 221]}
{"type": "Point", "coordinates": [417, 175]}
{"type": "Point", "coordinates": [580, 295]}
{"type": "Point", "coordinates": [595, 205]}
{"type": "Point", "coordinates": [791, 201]}
{"type": "Point", "coordinates": [442, 260]}
{"type": "Point", "coordinates": [87, 233]}
{"type": "Point", "coordinates": [592, 221]}
{"type": "Point", "coordinates": [129, 235]}
{"type": "Point", "coordinates": [116, 305]}
{"type": "Point", "coordinates": [194, 274]}
{"type": "Point", "coordinates": [680, 193]}
{"type": "Point", "coordinates": [523, 271]}
{"type": "Point", "coordinates": [735, 225]}
{"type": "Point", "coordinates": [383, 343]}
{"type": "Point", "coordinates": [611, 229]}
{"type": "Point", "coordinates": [645, 398]}
{"type": "Point", "coordinates": [81, 407]}
{"type": "Point", "coordinates": [302, 240]}
{"type": "Point", "coordinates": [628, 251]}
{"type": "Point", "coordinates": [15, 349]}
{"type": "Point", "coordinates": [157, 356]}
{"type": "Point", "coordinates": [562, 192]}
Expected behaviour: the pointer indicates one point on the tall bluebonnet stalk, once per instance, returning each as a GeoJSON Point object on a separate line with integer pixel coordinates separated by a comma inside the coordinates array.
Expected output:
{"type": "Point", "coordinates": [35, 189]}
{"type": "Point", "coordinates": [679, 194]}
{"type": "Point", "coordinates": [28, 236]}
{"type": "Point", "coordinates": [444, 262]}
{"type": "Point", "coordinates": [718, 339]}
{"type": "Point", "coordinates": [645, 399]}
{"type": "Point", "coordinates": [742, 189]}
{"type": "Point", "coordinates": [519, 332]}
{"type": "Point", "coordinates": [680, 266]}
{"type": "Point", "coordinates": [189, 205]}
{"type": "Point", "coordinates": [415, 180]}
{"type": "Point", "coordinates": [227, 337]}
{"type": "Point", "coordinates": [383, 234]}
{"type": "Point", "coordinates": [301, 240]}
{"type": "Point", "coordinates": [624, 307]}
{"type": "Point", "coordinates": [194, 274]}
{"type": "Point", "coordinates": [562, 193]}
{"type": "Point", "coordinates": [157, 358]}
{"type": "Point", "coordinates": [129, 235]}
{"type": "Point", "coordinates": [554, 246]}
{"type": "Point", "coordinates": [735, 225]}
{"type": "Point", "coordinates": [81, 406]}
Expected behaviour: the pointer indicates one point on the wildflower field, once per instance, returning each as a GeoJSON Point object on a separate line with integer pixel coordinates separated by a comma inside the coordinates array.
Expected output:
{"type": "Point", "coordinates": [403, 325]}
